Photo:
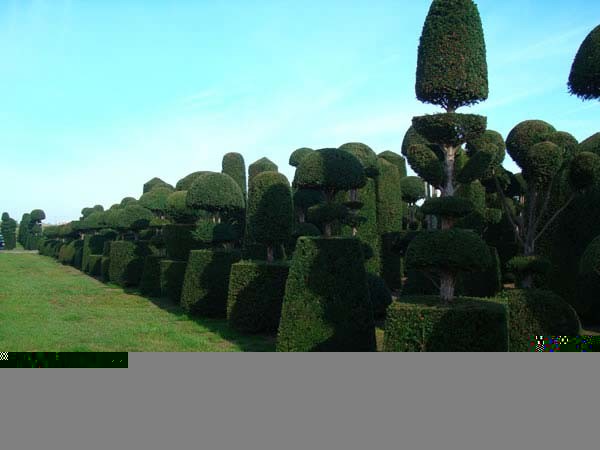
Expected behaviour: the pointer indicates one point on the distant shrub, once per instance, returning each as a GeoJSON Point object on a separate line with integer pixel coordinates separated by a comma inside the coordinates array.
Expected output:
{"type": "Point", "coordinates": [172, 274]}
{"type": "Point", "coordinates": [422, 324]}
{"type": "Point", "coordinates": [206, 282]}
{"type": "Point", "coordinates": [256, 291]}
{"type": "Point", "coordinates": [326, 306]}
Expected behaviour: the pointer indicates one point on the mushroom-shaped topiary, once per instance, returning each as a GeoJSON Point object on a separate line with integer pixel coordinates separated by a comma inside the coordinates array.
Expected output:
{"type": "Point", "coordinates": [216, 193]}
{"type": "Point", "coordinates": [451, 62]}
{"type": "Point", "coordinates": [330, 170]}
{"type": "Point", "coordinates": [270, 211]}
{"type": "Point", "coordinates": [156, 183]}
{"type": "Point", "coordinates": [298, 155]}
{"type": "Point", "coordinates": [444, 254]}
{"type": "Point", "coordinates": [37, 215]}
{"type": "Point", "coordinates": [133, 218]}
{"type": "Point", "coordinates": [584, 79]}
{"type": "Point", "coordinates": [413, 190]}
{"type": "Point", "coordinates": [156, 200]}
{"type": "Point", "coordinates": [186, 182]}
{"type": "Point", "coordinates": [365, 155]}
{"type": "Point", "coordinates": [178, 211]}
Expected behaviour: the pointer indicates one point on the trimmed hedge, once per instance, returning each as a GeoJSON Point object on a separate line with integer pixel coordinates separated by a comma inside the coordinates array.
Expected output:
{"type": "Point", "coordinates": [179, 241]}
{"type": "Point", "coordinates": [256, 291]}
{"type": "Point", "coordinates": [95, 265]}
{"type": "Point", "coordinates": [380, 295]}
{"type": "Point", "coordinates": [150, 280]}
{"type": "Point", "coordinates": [105, 268]}
{"type": "Point", "coordinates": [421, 324]}
{"type": "Point", "coordinates": [483, 283]}
{"type": "Point", "coordinates": [171, 278]}
{"type": "Point", "coordinates": [93, 245]}
{"type": "Point", "coordinates": [536, 312]}
{"type": "Point", "coordinates": [72, 253]}
{"type": "Point", "coordinates": [127, 261]}
{"type": "Point", "coordinates": [326, 305]}
{"type": "Point", "coordinates": [206, 281]}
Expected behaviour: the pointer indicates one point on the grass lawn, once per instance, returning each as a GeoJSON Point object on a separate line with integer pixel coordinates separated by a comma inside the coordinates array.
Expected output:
{"type": "Point", "coordinates": [45, 306]}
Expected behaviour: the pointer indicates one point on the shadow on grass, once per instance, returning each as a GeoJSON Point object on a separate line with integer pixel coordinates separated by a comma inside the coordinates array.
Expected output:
{"type": "Point", "coordinates": [220, 327]}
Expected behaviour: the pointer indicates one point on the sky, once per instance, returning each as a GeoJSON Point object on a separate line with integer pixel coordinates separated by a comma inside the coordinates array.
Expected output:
{"type": "Point", "coordinates": [99, 96]}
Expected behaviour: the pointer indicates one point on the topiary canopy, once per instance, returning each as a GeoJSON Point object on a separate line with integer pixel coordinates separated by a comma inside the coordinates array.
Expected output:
{"type": "Point", "coordinates": [155, 183]}
{"type": "Point", "coordinates": [584, 79]}
{"type": "Point", "coordinates": [186, 182]}
{"type": "Point", "coordinates": [366, 156]}
{"type": "Point", "coordinates": [413, 189]}
{"type": "Point", "coordinates": [262, 165]}
{"type": "Point", "coordinates": [37, 215]}
{"type": "Point", "coordinates": [298, 155]}
{"type": "Point", "coordinates": [451, 61]}
{"type": "Point", "coordinates": [233, 165]}
{"type": "Point", "coordinates": [156, 199]}
{"type": "Point", "coordinates": [395, 159]}
{"type": "Point", "coordinates": [133, 217]}
{"type": "Point", "coordinates": [215, 192]}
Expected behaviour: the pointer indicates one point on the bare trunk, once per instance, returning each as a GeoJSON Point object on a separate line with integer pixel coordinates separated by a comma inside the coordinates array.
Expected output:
{"type": "Point", "coordinates": [270, 257]}
{"type": "Point", "coordinates": [328, 229]}
{"type": "Point", "coordinates": [302, 217]}
{"type": "Point", "coordinates": [447, 284]}
{"type": "Point", "coordinates": [449, 155]}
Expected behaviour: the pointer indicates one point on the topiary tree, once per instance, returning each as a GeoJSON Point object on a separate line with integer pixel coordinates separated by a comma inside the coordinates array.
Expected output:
{"type": "Point", "coordinates": [156, 200]}
{"type": "Point", "coordinates": [128, 201]}
{"type": "Point", "coordinates": [395, 159]}
{"type": "Point", "coordinates": [233, 165]}
{"type": "Point", "coordinates": [262, 165]}
{"type": "Point", "coordinates": [270, 211]}
{"type": "Point", "coordinates": [8, 230]}
{"type": "Point", "coordinates": [186, 182]}
{"type": "Point", "coordinates": [216, 193]}
{"type": "Point", "coordinates": [535, 146]}
{"type": "Point", "coordinates": [584, 79]}
{"type": "Point", "coordinates": [304, 199]}
{"type": "Point", "coordinates": [413, 190]}
{"type": "Point", "coordinates": [330, 171]}
{"type": "Point", "coordinates": [156, 183]}
{"type": "Point", "coordinates": [178, 211]}
{"type": "Point", "coordinates": [298, 155]}
{"type": "Point", "coordinates": [132, 218]}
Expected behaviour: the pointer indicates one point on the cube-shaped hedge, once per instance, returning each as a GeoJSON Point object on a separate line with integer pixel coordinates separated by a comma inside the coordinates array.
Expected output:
{"type": "Point", "coordinates": [326, 306]}
{"type": "Point", "coordinates": [422, 324]}
{"type": "Point", "coordinates": [537, 312]}
{"type": "Point", "coordinates": [206, 282]}
{"type": "Point", "coordinates": [179, 241]}
{"type": "Point", "coordinates": [172, 274]}
{"type": "Point", "coordinates": [127, 261]}
{"type": "Point", "coordinates": [150, 280]}
{"type": "Point", "coordinates": [104, 268]}
{"type": "Point", "coordinates": [92, 245]}
{"type": "Point", "coordinates": [94, 263]}
{"type": "Point", "coordinates": [256, 290]}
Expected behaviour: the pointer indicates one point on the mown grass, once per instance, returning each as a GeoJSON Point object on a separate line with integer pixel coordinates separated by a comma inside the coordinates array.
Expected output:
{"type": "Point", "coordinates": [45, 306]}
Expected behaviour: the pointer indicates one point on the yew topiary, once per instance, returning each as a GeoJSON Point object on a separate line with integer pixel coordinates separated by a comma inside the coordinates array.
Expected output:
{"type": "Point", "coordinates": [584, 79]}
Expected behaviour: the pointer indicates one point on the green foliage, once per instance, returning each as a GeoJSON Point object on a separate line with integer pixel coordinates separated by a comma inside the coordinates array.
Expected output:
{"type": "Point", "coordinates": [584, 79]}
{"type": "Point", "coordinates": [150, 279]}
{"type": "Point", "coordinates": [171, 278]}
{"type": "Point", "coordinates": [298, 155]}
{"type": "Point", "coordinates": [451, 62]}
{"type": "Point", "coordinates": [483, 283]}
{"type": "Point", "coordinates": [305, 198]}
{"type": "Point", "coordinates": [133, 217]}
{"type": "Point", "coordinates": [535, 312]}
{"type": "Point", "coordinates": [233, 165]}
{"type": "Point", "coordinates": [330, 170]}
{"type": "Point", "coordinates": [451, 128]}
{"type": "Point", "coordinates": [178, 211]}
{"type": "Point", "coordinates": [584, 170]}
{"type": "Point", "coordinates": [454, 251]}
{"type": "Point", "coordinates": [5, 216]}
{"type": "Point", "coordinates": [567, 142]}
{"type": "Point", "coordinates": [179, 241]}
{"type": "Point", "coordinates": [186, 182]}
{"type": "Point", "coordinates": [37, 215]}
{"type": "Point", "coordinates": [207, 233]}
{"type": "Point", "coordinates": [93, 245]}
{"type": "Point", "coordinates": [524, 136]}
{"type": "Point", "coordinates": [542, 163]}
{"type": "Point", "coordinates": [590, 260]}
{"type": "Point", "coordinates": [71, 253]}
{"type": "Point", "coordinates": [262, 165]}
{"type": "Point", "coordinates": [420, 324]}
{"type": "Point", "coordinates": [206, 281]}
{"type": "Point", "coordinates": [413, 189]}
{"type": "Point", "coordinates": [380, 295]}
{"type": "Point", "coordinates": [270, 212]}
{"type": "Point", "coordinates": [366, 156]}
{"type": "Point", "coordinates": [389, 198]}
{"type": "Point", "coordinates": [128, 201]}
{"type": "Point", "coordinates": [8, 229]}
{"type": "Point", "coordinates": [395, 159]}
{"type": "Point", "coordinates": [326, 306]}
{"type": "Point", "coordinates": [156, 199]}
{"type": "Point", "coordinates": [447, 206]}
{"type": "Point", "coordinates": [523, 266]}
{"type": "Point", "coordinates": [156, 183]}
{"type": "Point", "coordinates": [256, 291]}
{"type": "Point", "coordinates": [127, 261]}
{"type": "Point", "coordinates": [426, 163]}
{"type": "Point", "coordinates": [215, 193]}
{"type": "Point", "coordinates": [591, 144]}
{"type": "Point", "coordinates": [105, 268]}
{"type": "Point", "coordinates": [95, 265]}
{"type": "Point", "coordinates": [476, 220]}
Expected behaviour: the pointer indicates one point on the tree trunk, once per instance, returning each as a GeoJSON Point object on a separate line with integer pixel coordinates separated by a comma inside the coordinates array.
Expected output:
{"type": "Point", "coordinates": [447, 284]}
{"type": "Point", "coordinates": [302, 217]}
{"type": "Point", "coordinates": [328, 229]}
{"type": "Point", "coordinates": [449, 155]}
{"type": "Point", "coordinates": [270, 257]}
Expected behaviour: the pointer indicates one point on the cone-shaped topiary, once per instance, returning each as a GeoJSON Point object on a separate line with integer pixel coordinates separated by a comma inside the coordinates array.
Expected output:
{"type": "Point", "coordinates": [233, 165]}
{"type": "Point", "coordinates": [262, 165]}
{"type": "Point", "coordinates": [584, 79]}
{"type": "Point", "coordinates": [451, 62]}
{"type": "Point", "coordinates": [298, 155]}
{"type": "Point", "coordinates": [156, 183]}
{"type": "Point", "coordinates": [270, 211]}
{"type": "Point", "coordinates": [326, 306]}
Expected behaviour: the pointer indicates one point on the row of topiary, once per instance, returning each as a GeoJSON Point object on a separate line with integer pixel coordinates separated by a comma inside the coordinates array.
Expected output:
{"type": "Point", "coordinates": [8, 230]}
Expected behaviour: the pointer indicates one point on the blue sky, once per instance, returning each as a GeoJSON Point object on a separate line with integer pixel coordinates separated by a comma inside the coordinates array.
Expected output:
{"type": "Point", "coordinates": [99, 96]}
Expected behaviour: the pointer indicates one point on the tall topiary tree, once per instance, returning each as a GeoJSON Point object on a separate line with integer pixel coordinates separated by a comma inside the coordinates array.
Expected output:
{"type": "Point", "coordinates": [233, 165]}
{"type": "Point", "coordinates": [584, 79]}
{"type": "Point", "coordinates": [8, 230]}
{"type": "Point", "coordinates": [413, 190]}
{"type": "Point", "coordinates": [451, 73]}
{"type": "Point", "coordinates": [262, 165]}
{"type": "Point", "coordinates": [270, 211]}
{"type": "Point", "coordinates": [216, 193]}
{"type": "Point", "coordinates": [186, 182]}
{"type": "Point", "coordinates": [330, 171]}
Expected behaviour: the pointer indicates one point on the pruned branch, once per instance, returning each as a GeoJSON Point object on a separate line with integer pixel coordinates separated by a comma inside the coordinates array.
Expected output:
{"type": "Point", "coordinates": [554, 216]}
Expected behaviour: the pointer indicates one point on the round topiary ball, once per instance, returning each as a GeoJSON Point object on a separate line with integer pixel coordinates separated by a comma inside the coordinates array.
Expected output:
{"type": "Point", "coordinates": [584, 170]}
{"type": "Point", "coordinates": [186, 182]}
{"type": "Point", "coordinates": [524, 136]}
{"type": "Point", "coordinates": [155, 183]}
{"type": "Point", "coordinates": [134, 217]}
{"type": "Point", "coordinates": [215, 192]}
{"type": "Point", "coordinates": [128, 201]}
{"type": "Point", "coordinates": [156, 199]}
{"type": "Point", "coordinates": [455, 207]}
{"type": "Point", "coordinates": [541, 164]}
